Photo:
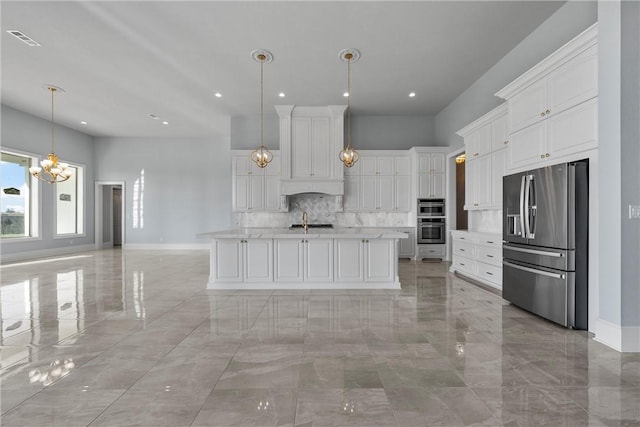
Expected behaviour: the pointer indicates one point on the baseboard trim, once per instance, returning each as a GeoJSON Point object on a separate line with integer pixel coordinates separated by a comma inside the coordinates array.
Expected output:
{"type": "Point", "coordinates": [44, 253]}
{"type": "Point", "coordinates": [167, 246]}
{"type": "Point", "coordinates": [213, 285]}
{"type": "Point", "coordinates": [625, 339]}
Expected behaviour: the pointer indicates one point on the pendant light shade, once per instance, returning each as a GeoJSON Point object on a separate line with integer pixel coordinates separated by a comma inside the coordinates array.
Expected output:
{"type": "Point", "coordinates": [261, 156]}
{"type": "Point", "coordinates": [50, 170]}
{"type": "Point", "coordinates": [349, 156]}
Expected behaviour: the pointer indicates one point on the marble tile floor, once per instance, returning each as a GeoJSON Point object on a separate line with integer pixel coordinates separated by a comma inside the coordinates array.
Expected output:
{"type": "Point", "coordinates": [133, 338]}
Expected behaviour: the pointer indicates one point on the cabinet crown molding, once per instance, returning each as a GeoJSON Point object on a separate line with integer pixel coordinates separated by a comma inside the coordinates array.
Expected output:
{"type": "Point", "coordinates": [573, 47]}
{"type": "Point", "coordinates": [487, 118]}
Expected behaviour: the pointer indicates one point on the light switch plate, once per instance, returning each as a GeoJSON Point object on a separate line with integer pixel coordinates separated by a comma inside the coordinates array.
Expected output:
{"type": "Point", "coordinates": [634, 211]}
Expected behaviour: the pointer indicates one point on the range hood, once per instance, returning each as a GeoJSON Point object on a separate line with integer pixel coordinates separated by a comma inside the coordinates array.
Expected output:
{"type": "Point", "coordinates": [310, 140]}
{"type": "Point", "coordinates": [289, 187]}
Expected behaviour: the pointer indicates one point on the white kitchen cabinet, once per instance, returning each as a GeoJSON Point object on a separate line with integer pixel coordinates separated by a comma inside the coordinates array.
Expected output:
{"type": "Point", "coordinates": [310, 147]}
{"type": "Point", "coordinates": [430, 175]}
{"type": "Point", "coordinates": [572, 131]}
{"type": "Point", "coordinates": [303, 260]}
{"type": "Point", "coordinates": [371, 260]}
{"type": "Point", "coordinates": [402, 193]}
{"type": "Point", "coordinates": [431, 251]}
{"type": "Point", "coordinates": [478, 183]}
{"type": "Point", "coordinates": [243, 260]}
{"type": "Point", "coordinates": [498, 171]}
{"type": "Point", "coordinates": [402, 165]}
{"type": "Point", "coordinates": [377, 193]}
{"type": "Point", "coordinates": [431, 163]}
{"type": "Point", "coordinates": [407, 247]}
{"type": "Point", "coordinates": [478, 256]}
{"type": "Point", "coordinates": [255, 189]}
{"type": "Point", "coordinates": [351, 200]}
{"type": "Point", "coordinates": [478, 143]}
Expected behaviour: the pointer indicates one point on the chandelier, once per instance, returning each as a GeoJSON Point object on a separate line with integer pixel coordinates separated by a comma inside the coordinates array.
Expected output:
{"type": "Point", "coordinates": [50, 170]}
{"type": "Point", "coordinates": [349, 156]}
{"type": "Point", "coordinates": [261, 156]}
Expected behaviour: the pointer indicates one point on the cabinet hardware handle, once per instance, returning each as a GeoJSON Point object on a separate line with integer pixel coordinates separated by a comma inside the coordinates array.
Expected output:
{"type": "Point", "coordinates": [476, 154]}
{"type": "Point", "coordinates": [506, 142]}
{"type": "Point", "coordinates": [489, 256]}
{"type": "Point", "coordinates": [542, 114]}
{"type": "Point", "coordinates": [489, 241]}
{"type": "Point", "coordinates": [547, 155]}
{"type": "Point", "coordinates": [490, 274]}
{"type": "Point", "coordinates": [542, 156]}
{"type": "Point", "coordinates": [367, 241]}
{"type": "Point", "coordinates": [250, 173]}
{"type": "Point", "coordinates": [548, 111]}
{"type": "Point", "coordinates": [461, 263]}
{"type": "Point", "coordinates": [461, 250]}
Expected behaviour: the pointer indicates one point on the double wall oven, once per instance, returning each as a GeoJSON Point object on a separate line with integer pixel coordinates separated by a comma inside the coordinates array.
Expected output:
{"type": "Point", "coordinates": [431, 221]}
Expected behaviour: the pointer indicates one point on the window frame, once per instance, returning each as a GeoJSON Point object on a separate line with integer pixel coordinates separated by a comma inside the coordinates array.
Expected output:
{"type": "Point", "coordinates": [35, 202]}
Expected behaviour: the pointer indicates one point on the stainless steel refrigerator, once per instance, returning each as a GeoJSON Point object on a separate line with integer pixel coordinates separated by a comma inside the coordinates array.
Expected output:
{"type": "Point", "coordinates": [545, 248]}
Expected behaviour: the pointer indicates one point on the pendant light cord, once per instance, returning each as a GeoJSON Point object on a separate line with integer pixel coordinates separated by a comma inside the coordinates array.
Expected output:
{"type": "Point", "coordinates": [261, 103]}
{"type": "Point", "coordinates": [349, 102]}
{"type": "Point", "coordinates": [52, 90]}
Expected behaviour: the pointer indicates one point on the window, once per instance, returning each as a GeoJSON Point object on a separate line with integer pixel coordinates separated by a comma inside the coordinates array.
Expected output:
{"type": "Point", "coordinates": [69, 200]}
{"type": "Point", "coordinates": [18, 201]}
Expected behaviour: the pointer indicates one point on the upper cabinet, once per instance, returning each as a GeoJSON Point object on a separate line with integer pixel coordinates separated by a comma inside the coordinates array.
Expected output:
{"type": "Point", "coordinates": [553, 107]}
{"type": "Point", "coordinates": [430, 173]}
{"type": "Point", "coordinates": [256, 189]}
{"type": "Point", "coordinates": [310, 140]}
{"type": "Point", "coordinates": [485, 143]}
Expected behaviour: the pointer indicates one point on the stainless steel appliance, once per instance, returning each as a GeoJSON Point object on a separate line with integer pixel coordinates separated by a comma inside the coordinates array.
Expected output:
{"type": "Point", "coordinates": [545, 232]}
{"type": "Point", "coordinates": [431, 207]}
{"type": "Point", "coordinates": [431, 230]}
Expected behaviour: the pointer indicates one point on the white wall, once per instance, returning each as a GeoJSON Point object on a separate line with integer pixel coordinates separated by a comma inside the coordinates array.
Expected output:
{"type": "Point", "coordinates": [27, 133]}
{"type": "Point", "coordinates": [571, 19]}
{"type": "Point", "coordinates": [175, 188]}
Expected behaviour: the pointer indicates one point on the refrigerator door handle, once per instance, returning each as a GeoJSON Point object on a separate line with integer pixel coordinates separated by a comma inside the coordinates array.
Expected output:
{"type": "Point", "coordinates": [526, 207]}
{"type": "Point", "coordinates": [522, 185]}
{"type": "Point", "coordinates": [535, 271]}
{"type": "Point", "coordinates": [532, 208]}
{"type": "Point", "coordinates": [534, 251]}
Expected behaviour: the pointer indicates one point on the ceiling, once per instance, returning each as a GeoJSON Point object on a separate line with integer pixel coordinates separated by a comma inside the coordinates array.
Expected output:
{"type": "Point", "coordinates": [120, 61]}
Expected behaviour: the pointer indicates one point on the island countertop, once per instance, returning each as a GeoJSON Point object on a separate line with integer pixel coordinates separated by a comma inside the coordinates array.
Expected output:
{"type": "Point", "coordinates": [314, 233]}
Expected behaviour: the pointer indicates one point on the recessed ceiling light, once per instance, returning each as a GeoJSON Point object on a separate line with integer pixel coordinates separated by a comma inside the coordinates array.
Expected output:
{"type": "Point", "coordinates": [412, 94]}
{"type": "Point", "coordinates": [23, 37]}
{"type": "Point", "coordinates": [165, 123]}
{"type": "Point", "coordinates": [218, 95]}
{"type": "Point", "coordinates": [346, 94]}
{"type": "Point", "coordinates": [83, 122]}
{"type": "Point", "coordinates": [153, 116]}
{"type": "Point", "coordinates": [281, 94]}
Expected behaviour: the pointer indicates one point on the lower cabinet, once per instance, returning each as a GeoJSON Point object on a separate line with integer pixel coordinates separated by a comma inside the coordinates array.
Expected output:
{"type": "Point", "coordinates": [304, 260]}
{"type": "Point", "coordinates": [431, 251]}
{"type": "Point", "coordinates": [407, 247]}
{"type": "Point", "coordinates": [478, 256]}
{"type": "Point", "coordinates": [369, 260]}
{"type": "Point", "coordinates": [243, 260]}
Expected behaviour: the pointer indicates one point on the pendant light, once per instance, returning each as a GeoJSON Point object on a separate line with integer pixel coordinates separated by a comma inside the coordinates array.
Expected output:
{"type": "Point", "coordinates": [50, 170]}
{"type": "Point", "coordinates": [261, 156]}
{"type": "Point", "coordinates": [349, 156]}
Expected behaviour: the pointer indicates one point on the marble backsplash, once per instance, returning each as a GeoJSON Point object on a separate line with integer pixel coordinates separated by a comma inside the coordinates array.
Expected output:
{"type": "Point", "coordinates": [321, 209]}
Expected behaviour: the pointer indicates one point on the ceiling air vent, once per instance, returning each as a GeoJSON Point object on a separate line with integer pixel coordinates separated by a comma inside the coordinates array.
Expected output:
{"type": "Point", "coordinates": [22, 36]}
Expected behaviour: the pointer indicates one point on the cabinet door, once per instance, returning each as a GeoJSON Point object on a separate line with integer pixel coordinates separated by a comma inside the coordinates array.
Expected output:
{"type": "Point", "coordinates": [272, 193]}
{"type": "Point", "coordinates": [320, 166]}
{"type": "Point", "coordinates": [470, 202]}
{"type": "Point", "coordinates": [301, 147]}
{"type": "Point", "coordinates": [408, 246]}
{"type": "Point", "coordinates": [349, 259]}
{"type": "Point", "coordinates": [386, 196]}
{"type": "Point", "coordinates": [526, 146]}
{"type": "Point", "coordinates": [437, 163]}
{"type": "Point", "coordinates": [241, 165]}
{"type": "Point", "coordinates": [498, 170]}
{"type": "Point", "coordinates": [402, 193]}
{"type": "Point", "coordinates": [484, 141]}
{"type": "Point", "coordinates": [380, 260]}
{"type": "Point", "coordinates": [499, 133]}
{"type": "Point", "coordinates": [351, 193]}
{"type": "Point", "coordinates": [386, 165]}
{"type": "Point", "coordinates": [240, 193]}
{"type": "Point", "coordinates": [437, 185]}
{"type": "Point", "coordinates": [227, 260]}
{"type": "Point", "coordinates": [256, 193]}
{"type": "Point", "coordinates": [573, 130]}
{"type": "Point", "coordinates": [402, 165]}
{"type": "Point", "coordinates": [574, 82]}
{"type": "Point", "coordinates": [288, 260]}
{"type": "Point", "coordinates": [368, 188]}
{"type": "Point", "coordinates": [368, 165]}
{"type": "Point", "coordinates": [424, 164]}
{"type": "Point", "coordinates": [483, 181]}
{"type": "Point", "coordinates": [318, 262]}
{"type": "Point", "coordinates": [258, 260]}
{"type": "Point", "coordinates": [424, 185]}
{"type": "Point", "coordinates": [274, 168]}
{"type": "Point", "coordinates": [528, 106]}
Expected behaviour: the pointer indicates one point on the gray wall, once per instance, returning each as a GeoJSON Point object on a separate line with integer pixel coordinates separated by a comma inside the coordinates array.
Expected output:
{"type": "Point", "coordinates": [24, 132]}
{"type": "Point", "coordinates": [478, 99]}
{"type": "Point", "coordinates": [187, 185]}
{"type": "Point", "coordinates": [368, 132]}
{"type": "Point", "coordinates": [619, 156]}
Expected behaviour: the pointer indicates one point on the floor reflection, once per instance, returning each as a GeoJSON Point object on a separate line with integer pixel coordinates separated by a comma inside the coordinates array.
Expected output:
{"type": "Point", "coordinates": [122, 338]}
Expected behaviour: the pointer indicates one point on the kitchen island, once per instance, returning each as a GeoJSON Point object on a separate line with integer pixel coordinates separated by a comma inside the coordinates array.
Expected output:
{"type": "Point", "coordinates": [283, 258]}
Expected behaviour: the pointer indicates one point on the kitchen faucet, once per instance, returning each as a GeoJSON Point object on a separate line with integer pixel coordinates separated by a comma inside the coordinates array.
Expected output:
{"type": "Point", "coordinates": [305, 223]}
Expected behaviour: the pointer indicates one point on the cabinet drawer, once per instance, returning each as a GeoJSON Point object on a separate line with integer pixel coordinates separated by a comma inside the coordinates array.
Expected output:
{"type": "Point", "coordinates": [431, 251]}
{"type": "Point", "coordinates": [490, 255]}
{"type": "Point", "coordinates": [465, 265]}
{"type": "Point", "coordinates": [463, 237]}
{"type": "Point", "coordinates": [490, 273]}
{"type": "Point", "coordinates": [464, 249]}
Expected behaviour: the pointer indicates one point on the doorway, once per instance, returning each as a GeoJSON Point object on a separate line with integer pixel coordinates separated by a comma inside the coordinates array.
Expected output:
{"type": "Point", "coordinates": [461, 214]}
{"type": "Point", "coordinates": [109, 214]}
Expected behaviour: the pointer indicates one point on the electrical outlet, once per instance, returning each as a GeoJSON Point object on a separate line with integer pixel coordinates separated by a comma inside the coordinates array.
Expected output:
{"type": "Point", "coordinates": [634, 211]}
